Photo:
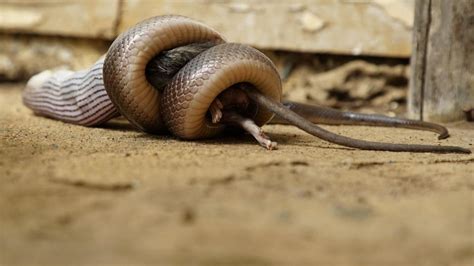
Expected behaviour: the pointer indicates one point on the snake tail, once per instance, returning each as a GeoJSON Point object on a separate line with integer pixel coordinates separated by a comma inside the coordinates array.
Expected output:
{"type": "Point", "coordinates": [73, 97]}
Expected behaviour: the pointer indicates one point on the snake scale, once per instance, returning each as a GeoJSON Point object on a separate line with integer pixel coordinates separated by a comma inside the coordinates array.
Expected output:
{"type": "Point", "coordinates": [172, 73]}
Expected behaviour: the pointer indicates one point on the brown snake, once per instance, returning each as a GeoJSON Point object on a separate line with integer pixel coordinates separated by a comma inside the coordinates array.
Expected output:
{"type": "Point", "coordinates": [210, 85]}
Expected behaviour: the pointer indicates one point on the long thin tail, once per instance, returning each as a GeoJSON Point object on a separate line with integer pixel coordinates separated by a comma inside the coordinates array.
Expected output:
{"type": "Point", "coordinates": [314, 130]}
{"type": "Point", "coordinates": [328, 116]}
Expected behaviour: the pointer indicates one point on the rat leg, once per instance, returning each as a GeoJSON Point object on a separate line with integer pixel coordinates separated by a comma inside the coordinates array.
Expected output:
{"type": "Point", "coordinates": [249, 125]}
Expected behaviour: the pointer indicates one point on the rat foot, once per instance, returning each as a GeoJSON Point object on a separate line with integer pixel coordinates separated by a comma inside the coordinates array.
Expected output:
{"type": "Point", "coordinates": [216, 111]}
{"type": "Point", "coordinates": [249, 125]}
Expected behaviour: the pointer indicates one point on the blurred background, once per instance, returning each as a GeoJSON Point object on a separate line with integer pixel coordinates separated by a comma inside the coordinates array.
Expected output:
{"type": "Point", "coordinates": [347, 54]}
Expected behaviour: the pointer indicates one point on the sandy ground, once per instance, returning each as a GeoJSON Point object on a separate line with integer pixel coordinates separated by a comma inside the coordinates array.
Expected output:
{"type": "Point", "coordinates": [71, 195]}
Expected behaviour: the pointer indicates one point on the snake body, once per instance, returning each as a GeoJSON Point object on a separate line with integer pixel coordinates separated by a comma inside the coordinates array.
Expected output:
{"type": "Point", "coordinates": [126, 60]}
{"type": "Point", "coordinates": [118, 84]}
{"type": "Point", "coordinates": [73, 97]}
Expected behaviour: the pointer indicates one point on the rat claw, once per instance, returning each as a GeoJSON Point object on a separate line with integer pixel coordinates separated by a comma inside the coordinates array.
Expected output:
{"type": "Point", "coordinates": [266, 142]}
{"type": "Point", "coordinates": [271, 145]}
{"type": "Point", "coordinates": [252, 128]}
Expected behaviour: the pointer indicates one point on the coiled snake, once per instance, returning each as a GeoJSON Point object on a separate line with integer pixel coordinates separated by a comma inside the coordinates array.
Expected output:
{"type": "Point", "coordinates": [172, 73]}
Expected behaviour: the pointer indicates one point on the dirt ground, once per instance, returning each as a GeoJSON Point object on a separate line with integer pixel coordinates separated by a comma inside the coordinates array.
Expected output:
{"type": "Point", "coordinates": [71, 195]}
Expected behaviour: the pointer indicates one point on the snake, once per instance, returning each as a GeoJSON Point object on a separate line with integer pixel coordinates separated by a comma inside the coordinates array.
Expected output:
{"type": "Point", "coordinates": [175, 74]}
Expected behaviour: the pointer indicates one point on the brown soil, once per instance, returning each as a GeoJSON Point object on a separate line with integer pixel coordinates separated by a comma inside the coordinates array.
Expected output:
{"type": "Point", "coordinates": [71, 195]}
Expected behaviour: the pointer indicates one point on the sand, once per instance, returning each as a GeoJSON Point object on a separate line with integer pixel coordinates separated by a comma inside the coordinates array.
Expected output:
{"type": "Point", "coordinates": [71, 195]}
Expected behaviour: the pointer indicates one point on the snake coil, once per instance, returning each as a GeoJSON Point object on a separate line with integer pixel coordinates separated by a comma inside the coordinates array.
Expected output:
{"type": "Point", "coordinates": [117, 84]}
